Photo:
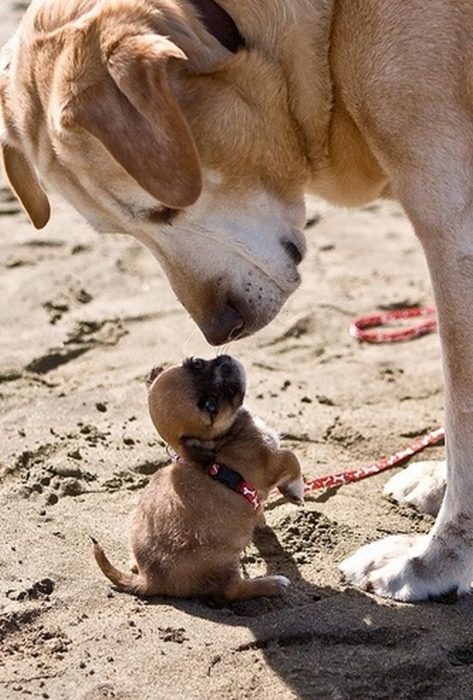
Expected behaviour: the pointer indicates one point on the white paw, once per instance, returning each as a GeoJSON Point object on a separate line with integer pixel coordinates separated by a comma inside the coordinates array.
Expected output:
{"type": "Point", "coordinates": [407, 568]}
{"type": "Point", "coordinates": [421, 485]}
{"type": "Point", "coordinates": [280, 583]}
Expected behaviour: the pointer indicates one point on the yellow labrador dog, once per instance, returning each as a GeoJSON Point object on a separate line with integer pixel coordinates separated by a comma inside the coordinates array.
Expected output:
{"type": "Point", "coordinates": [197, 126]}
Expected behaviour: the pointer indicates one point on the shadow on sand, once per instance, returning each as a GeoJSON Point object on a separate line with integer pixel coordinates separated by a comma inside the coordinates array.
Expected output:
{"type": "Point", "coordinates": [343, 645]}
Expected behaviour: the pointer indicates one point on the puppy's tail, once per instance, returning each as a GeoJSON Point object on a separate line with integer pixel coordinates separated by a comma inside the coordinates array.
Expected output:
{"type": "Point", "coordinates": [126, 582]}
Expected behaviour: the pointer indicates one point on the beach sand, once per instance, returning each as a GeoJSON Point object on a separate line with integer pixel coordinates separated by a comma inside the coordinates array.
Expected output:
{"type": "Point", "coordinates": [83, 318]}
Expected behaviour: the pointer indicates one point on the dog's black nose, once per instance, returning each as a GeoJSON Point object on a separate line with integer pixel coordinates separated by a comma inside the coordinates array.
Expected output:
{"type": "Point", "coordinates": [295, 253]}
{"type": "Point", "coordinates": [227, 325]}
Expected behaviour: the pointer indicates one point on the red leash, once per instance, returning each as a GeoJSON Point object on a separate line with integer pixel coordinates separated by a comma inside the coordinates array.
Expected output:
{"type": "Point", "coordinates": [391, 335]}
{"type": "Point", "coordinates": [333, 480]}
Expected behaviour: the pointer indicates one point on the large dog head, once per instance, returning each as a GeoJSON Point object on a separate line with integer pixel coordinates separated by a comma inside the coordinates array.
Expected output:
{"type": "Point", "coordinates": [149, 126]}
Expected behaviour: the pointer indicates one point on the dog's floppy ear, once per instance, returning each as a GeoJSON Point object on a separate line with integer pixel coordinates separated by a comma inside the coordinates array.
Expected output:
{"type": "Point", "coordinates": [25, 184]}
{"type": "Point", "coordinates": [20, 173]}
{"type": "Point", "coordinates": [131, 110]}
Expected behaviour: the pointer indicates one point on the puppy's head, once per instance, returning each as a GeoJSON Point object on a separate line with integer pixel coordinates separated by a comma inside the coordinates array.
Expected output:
{"type": "Point", "coordinates": [199, 399]}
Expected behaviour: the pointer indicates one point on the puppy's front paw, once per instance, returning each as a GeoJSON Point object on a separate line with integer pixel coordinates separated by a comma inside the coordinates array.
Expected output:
{"type": "Point", "coordinates": [293, 490]}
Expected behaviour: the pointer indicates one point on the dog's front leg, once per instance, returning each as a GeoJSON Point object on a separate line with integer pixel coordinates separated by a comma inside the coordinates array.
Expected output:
{"type": "Point", "coordinates": [439, 564]}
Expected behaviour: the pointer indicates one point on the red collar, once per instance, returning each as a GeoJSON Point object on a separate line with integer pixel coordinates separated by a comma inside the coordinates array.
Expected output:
{"type": "Point", "coordinates": [220, 24]}
{"type": "Point", "coordinates": [234, 481]}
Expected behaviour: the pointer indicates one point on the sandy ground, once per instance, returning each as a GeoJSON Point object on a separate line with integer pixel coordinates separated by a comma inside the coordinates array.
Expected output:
{"type": "Point", "coordinates": [83, 318]}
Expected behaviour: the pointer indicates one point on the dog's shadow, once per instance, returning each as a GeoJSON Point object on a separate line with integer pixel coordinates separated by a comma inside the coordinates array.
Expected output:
{"type": "Point", "coordinates": [329, 643]}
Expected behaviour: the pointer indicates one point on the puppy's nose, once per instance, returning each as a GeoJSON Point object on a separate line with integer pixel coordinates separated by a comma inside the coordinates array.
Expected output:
{"type": "Point", "coordinates": [227, 325]}
{"type": "Point", "coordinates": [225, 365]}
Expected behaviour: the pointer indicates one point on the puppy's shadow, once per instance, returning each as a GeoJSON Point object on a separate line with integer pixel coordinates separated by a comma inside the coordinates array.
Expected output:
{"type": "Point", "coordinates": [276, 558]}
{"type": "Point", "coordinates": [277, 561]}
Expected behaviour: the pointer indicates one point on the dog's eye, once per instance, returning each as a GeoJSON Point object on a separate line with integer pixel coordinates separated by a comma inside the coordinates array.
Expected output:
{"type": "Point", "coordinates": [208, 405]}
{"type": "Point", "coordinates": [162, 215]}
{"type": "Point", "coordinates": [196, 363]}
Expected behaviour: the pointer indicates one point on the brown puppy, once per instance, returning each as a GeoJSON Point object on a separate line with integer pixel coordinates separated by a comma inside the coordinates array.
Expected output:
{"type": "Point", "coordinates": [197, 515]}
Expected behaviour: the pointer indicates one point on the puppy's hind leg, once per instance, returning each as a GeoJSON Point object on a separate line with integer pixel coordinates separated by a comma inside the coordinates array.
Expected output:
{"type": "Point", "coordinates": [264, 586]}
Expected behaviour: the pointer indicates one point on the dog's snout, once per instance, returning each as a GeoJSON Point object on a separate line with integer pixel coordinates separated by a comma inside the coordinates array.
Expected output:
{"type": "Point", "coordinates": [295, 252]}
{"type": "Point", "coordinates": [227, 325]}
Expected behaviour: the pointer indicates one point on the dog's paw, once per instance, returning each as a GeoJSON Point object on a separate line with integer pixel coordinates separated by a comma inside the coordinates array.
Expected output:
{"type": "Point", "coordinates": [421, 485]}
{"type": "Point", "coordinates": [408, 568]}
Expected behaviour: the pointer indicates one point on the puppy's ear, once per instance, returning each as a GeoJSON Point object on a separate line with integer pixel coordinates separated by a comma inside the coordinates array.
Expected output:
{"type": "Point", "coordinates": [130, 109]}
{"type": "Point", "coordinates": [20, 173]}
{"type": "Point", "coordinates": [155, 372]}
{"type": "Point", "coordinates": [289, 476]}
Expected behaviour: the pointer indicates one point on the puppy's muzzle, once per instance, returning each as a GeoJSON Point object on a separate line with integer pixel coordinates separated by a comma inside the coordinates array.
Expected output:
{"type": "Point", "coordinates": [227, 376]}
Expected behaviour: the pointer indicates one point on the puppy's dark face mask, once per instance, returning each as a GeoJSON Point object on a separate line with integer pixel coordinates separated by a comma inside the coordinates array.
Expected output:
{"type": "Point", "coordinates": [219, 385]}
{"type": "Point", "coordinates": [198, 399]}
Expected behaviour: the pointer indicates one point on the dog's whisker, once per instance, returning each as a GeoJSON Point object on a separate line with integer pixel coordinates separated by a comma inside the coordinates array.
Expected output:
{"type": "Point", "coordinates": [187, 342]}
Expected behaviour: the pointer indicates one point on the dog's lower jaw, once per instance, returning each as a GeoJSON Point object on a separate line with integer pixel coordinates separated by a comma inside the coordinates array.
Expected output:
{"type": "Point", "coordinates": [412, 568]}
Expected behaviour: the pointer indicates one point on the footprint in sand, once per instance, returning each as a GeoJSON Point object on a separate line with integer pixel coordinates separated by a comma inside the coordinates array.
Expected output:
{"type": "Point", "coordinates": [85, 336]}
{"type": "Point", "coordinates": [8, 203]}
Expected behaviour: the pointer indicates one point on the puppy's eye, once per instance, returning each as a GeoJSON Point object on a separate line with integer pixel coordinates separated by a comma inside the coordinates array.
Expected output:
{"type": "Point", "coordinates": [196, 363]}
{"type": "Point", "coordinates": [208, 405]}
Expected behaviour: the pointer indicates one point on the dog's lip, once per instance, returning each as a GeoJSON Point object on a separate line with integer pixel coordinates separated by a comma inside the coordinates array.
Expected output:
{"type": "Point", "coordinates": [239, 331]}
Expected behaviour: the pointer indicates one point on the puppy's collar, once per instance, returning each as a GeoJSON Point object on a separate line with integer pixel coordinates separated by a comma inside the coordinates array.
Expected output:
{"type": "Point", "coordinates": [220, 24]}
{"type": "Point", "coordinates": [234, 481]}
